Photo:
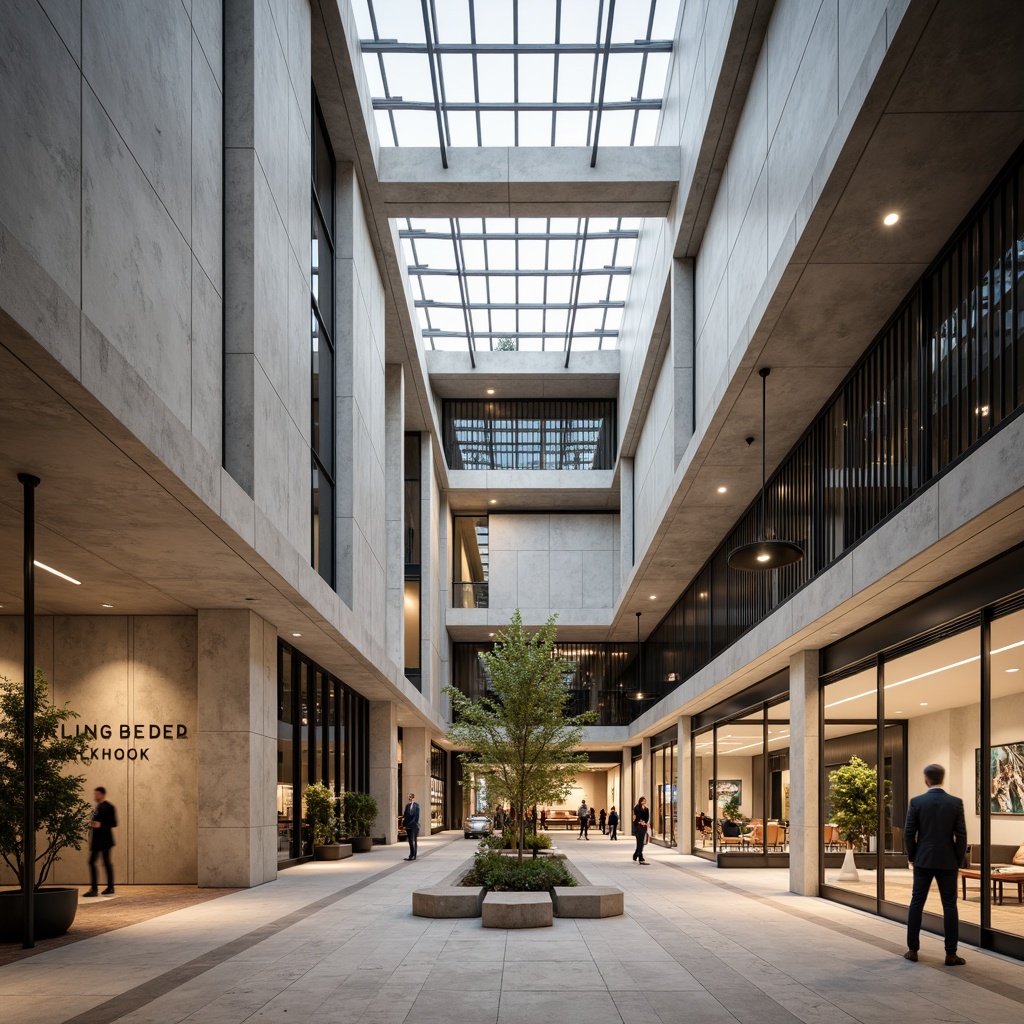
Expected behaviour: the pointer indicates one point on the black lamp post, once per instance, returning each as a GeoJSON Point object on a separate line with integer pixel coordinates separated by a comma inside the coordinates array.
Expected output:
{"type": "Point", "coordinates": [764, 553]}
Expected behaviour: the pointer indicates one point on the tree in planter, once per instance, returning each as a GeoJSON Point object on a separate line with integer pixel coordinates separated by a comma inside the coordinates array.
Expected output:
{"type": "Point", "coordinates": [731, 808]}
{"type": "Point", "coordinates": [61, 813]}
{"type": "Point", "coordinates": [520, 740]}
{"type": "Point", "coordinates": [853, 801]}
{"type": "Point", "coordinates": [321, 807]}
{"type": "Point", "coordinates": [360, 813]}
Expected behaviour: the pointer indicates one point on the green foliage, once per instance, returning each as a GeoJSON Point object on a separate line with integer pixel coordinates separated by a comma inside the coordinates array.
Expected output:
{"type": "Point", "coordinates": [520, 740]}
{"type": "Point", "coordinates": [321, 810]}
{"type": "Point", "coordinates": [506, 874]}
{"type": "Point", "coordinates": [731, 808]}
{"type": "Point", "coordinates": [854, 801]}
{"type": "Point", "coordinates": [360, 813]}
{"type": "Point", "coordinates": [61, 813]}
{"type": "Point", "coordinates": [537, 841]}
{"type": "Point", "coordinates": [505, 345]}
{"type": "Point", "coordinates": [499, 841]}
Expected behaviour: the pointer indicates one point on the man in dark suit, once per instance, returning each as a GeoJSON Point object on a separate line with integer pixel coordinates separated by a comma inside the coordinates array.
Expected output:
{"type": "Point", "coordinates": [101, 841]}
{"type": "Point", "coordinates": [936, 843]}
{"type": "Point", "coordinates": [411, 821]}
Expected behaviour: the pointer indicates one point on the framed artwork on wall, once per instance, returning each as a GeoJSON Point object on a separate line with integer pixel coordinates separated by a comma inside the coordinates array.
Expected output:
{"type": "Point", "coordinates": [1006, 779]}
{"type": "Point", "coordinates": [727, 788]}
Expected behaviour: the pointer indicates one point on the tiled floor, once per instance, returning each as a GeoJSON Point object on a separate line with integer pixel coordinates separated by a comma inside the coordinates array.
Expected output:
{"type": "Point", "coordinates": [337, 943]}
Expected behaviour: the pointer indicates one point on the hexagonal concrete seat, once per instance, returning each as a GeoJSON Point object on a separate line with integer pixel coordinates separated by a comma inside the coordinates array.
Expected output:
{"type": "Point", "coordinates": [447, 901]}
{"type": "Point", "coordinates": [588, 901]}
{"type": "Point", "coordinates": [517, 910]}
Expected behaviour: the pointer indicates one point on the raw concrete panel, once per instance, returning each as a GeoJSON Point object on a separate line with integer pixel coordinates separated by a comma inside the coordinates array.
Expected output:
{"type": "Point", "coordinates": [66, 16]}
{"type": "Point", "coordinates": [40, 202]}
{"type": "Point", "coordinates": [534, 568]}
{"type": "Point", "coordinates": [207, 213]}
{"type": "Point", "coordinates": [785, 45]}
{"type": "Point", "coordinates": [206, 421]}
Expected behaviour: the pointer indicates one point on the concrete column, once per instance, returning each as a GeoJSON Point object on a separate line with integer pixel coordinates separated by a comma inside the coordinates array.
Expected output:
{"type": "Point", "coordinates": [627, 797]}
{"type": "Point", "coordinates": [394, 510]}
{"type": "Point", "coordinates": [804, 835]}
{"type": "Point", "coordinates": [626, 517]}
{"type": "Point", "coordinates": [237, 684]}
{"type": "Point", "coordinates": [646, 774]}
{"type": "Point", "coordinates": [384, 767]}
{"type": "Point", "coordinates": [684, 792]}
{"type": "Point", "coordinates": [682, 353]}
{"type": "Point", "coordinates": [416, 773]}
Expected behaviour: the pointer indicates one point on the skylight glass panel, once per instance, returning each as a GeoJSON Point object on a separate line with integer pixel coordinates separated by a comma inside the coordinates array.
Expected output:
{"type": "Point", "coordinates": [516, 72]}
{"type": "Point", "coordinates": [535, 284]}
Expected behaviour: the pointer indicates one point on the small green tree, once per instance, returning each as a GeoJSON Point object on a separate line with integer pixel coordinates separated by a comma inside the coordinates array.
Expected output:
{"type": "Point", "coordinates": [321, 809]}
{"type": "Point", "coordinates": [505, 345]}
{"type": "Point", "coordinates": [854, 800]}
{"type": "Point", "coordinates": [731, 808]}
{"type": "Point", "coordinates": [360, 813]}
{"type": "Point", "coordinates": [520, 740]}
{"type": "Point", "coordinates": [61, 813]}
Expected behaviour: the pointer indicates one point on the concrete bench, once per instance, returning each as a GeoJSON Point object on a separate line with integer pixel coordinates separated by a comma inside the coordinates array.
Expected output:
{"type": "Point", "coordinates": [588, 901]}
{"type": "Point", "coordinates": [447, 901]}
{"type": "Point", "coordinates": [517, 910]}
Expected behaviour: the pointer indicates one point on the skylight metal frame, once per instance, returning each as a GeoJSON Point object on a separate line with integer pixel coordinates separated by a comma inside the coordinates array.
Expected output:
{"type": "Point", "coordinates": [603, 49]}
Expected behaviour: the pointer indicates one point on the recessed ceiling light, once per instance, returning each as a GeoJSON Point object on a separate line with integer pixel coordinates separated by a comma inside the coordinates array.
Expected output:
{"type": "Point", "coordinates": [722, 490]}
{"type": "Point", "coordinates": [494, 501]}
{"type": "Point", "coordinates": [1008, 670]}
{"type": "Point", "coordinates": [490, 634]}
{"type": "Point", "coordinates": [923, 704]}
{"type": "Point", "coordinates": [654, 597]}
{"type": "Point", "coordinates": [106, 606]}
{"type": "Point", "coordinates": [57, 572]}
{"type": "Point", "coordinates": [897, 712]}
{"type": "Point", "coordinates": [890, 218]}
{"type": "Point", "coordinates": [490, 391]}
{"type": "Point", "coordinates": [296, 634]}
{"type": "Point", "coordinates": [703, 593]}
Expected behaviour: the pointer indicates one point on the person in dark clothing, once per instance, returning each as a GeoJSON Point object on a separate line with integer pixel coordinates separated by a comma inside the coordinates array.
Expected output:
{"type": "Point", "coordinates": [544, 820]}
{"type": "Point", "coordinates": [601, 819]}
{"type": "Point", "coordinates": [641, 822]}
{"type": "Point", "coordinates": [584, 815]}
{"type": "Point", "coordinates": [613, 823]}
{"type": "Point", "coordinates": [101, 841]}
{"type": "Point", "coordinates": [411, 821]}
{"type": "Point", "coordinates": [935, 839]}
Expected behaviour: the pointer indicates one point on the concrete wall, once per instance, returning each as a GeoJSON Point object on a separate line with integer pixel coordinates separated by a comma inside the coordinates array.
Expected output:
{"type": "Point", "coordinates": [362, 538]}
{"type": "Point", "coordinates": [132, 672]}
{"type": "Point", "coordinates": [558, 562]}
{"type": "Point", "coordinates": [114, 188]}
{"type": "Point", "coordinates": [654, 463]}
{"type": "Point", "coordinates": [267, 361]}
{"type": "Point", "coordinates": [434, 577]}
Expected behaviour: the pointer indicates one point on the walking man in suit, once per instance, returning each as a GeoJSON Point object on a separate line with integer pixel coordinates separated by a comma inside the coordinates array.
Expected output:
{"type": "Point", "coordinates": [101, 841]}
{"type": "Point", "coordinates": [411, 821]}
{"type": "Point", "coordinates": [936, 843]}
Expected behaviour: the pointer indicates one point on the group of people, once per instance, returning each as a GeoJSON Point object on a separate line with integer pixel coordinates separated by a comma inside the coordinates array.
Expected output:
{"type": "Point", "coordinates": [609, 824]}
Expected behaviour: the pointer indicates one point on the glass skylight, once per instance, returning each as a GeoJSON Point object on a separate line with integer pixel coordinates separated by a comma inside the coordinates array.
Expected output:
{"type": "Point", "coordinates": [516, 72]}
{"type": "Point", "coordinates": [531, 284]}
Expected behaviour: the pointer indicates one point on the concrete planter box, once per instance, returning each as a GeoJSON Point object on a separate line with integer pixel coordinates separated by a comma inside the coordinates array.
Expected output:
{"type": "Point", "coordinates": [447, 901]}
{"type": "Point", "coordinates": [517, 910]}
{"type": "Point", "coordinates": [333, 851]}
{"type": "Point", "coordinates": [588, 901]}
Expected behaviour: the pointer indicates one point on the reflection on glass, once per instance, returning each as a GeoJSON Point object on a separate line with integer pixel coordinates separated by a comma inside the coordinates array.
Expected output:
{"type": "Point", "coordinates": [285, 783]}
{"type": "Point", "coordinates": [470, 568]}
{"type": "Point", "coordinates": [663, 820]}
{"type": "Point", "coordinates": [412, 626]}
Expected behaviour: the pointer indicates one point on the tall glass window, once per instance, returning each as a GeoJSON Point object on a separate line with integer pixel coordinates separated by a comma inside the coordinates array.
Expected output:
{"type": "Point", "coordinates": [665, 770]}
{"type": "Point", "coordinates": [322, 348]}
{"type": "Point", "coordinates": [412, 544]}
{"type": "Point", "coordinates": [286, 811]}
{"type": "Point", "coordinates": [470, 562]}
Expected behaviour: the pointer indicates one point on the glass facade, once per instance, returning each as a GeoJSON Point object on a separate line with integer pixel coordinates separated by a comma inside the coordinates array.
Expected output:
{"type": "Point", "coordinates": [945, 372]}
{"type": "Point", "coordinates": [529, 434]}
{"type": "Point", "coordinates": [322, 736]}
{"type": "Point", "coordinates": [470, 562]}
{"type": "Point", "coordinates": [665, 776]}
{"type": "Point", "coordinates": [438, 787]}
{"type": "Point", "coordinates": [322, 348]}
{"type": "Point", "coordinates": [413, 509]}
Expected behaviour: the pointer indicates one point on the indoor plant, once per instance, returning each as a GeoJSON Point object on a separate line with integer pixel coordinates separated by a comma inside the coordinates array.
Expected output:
{"type": "Point", "coordinates": [853, 806]}
{"type": "Point", "coordinates": [62, 816]}
{"type": "Point", "coordinates": [360, 814]}
{"type": "Point", "coordinates": [321, 810]}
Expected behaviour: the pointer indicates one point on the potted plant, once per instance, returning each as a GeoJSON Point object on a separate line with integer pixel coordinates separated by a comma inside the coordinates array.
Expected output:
{"type": "Point", "coordinates": [321, 808]}
{"type": "Point", "coordinates": [62, 816]}
{"type": "Point", "coordinates": [733, 817]}
{"type": "Point", "coordinates": [360, 814]}
{"type": "Point", "coordinates": [853, 804]}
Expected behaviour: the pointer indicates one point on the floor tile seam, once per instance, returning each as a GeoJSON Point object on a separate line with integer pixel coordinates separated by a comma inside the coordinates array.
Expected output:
{"type": "Point", "coordinates": [141, 995]}
{"type": "Point", "coordinates": [1008, 989]}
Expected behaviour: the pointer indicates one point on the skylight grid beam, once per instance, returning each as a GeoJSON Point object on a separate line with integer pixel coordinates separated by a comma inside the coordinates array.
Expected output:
{"type": "Point", "coordinates": [593, 76]}
{"type": "Point", "coordinates": [518, 306]}
{"type": "Point", "coordinates": [608, 290]}
{"type": "Point", "coordinates": [515, 68]}
{"type": "Point", "coordinates": [440, 76]}
{"type": "Point", "coordinates": [578, 263]}
{"type": "Point", "coordinates": [547, 269]}
{"type": "Point", "coordinates": [383, 70]}
{"type": "Point", "coordinates": [476, 71]}
{"type": "Point", "coordinates": [386, 103]}
{"type": "Point", "coordinates": [604, 80]}
{"type": "Point", "coordinates": [643, 72]}
{"type": "Point", "coordinates": [554, 75]}
{"type": "Point", "coordinates": [516, 245]}
{"type": "Point", "coordinates": [433, 84]}
{"type": "Point", "coordinates": [487, 280]}
{"type": "Point", "coordinates": [438, 333]}
{"type": "Point", "coordinates": [531, 236]}
{"type": "Point", "coordinates": [381, 46]}
{"type": "Point", "coordinates": [470, 343]}
{"type": "Point", "coordinates": [622, 271]}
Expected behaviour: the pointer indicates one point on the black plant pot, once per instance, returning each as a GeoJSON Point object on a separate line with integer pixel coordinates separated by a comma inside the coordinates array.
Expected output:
{"type": "Point", "coordinates": [55, 910]}
{"type": "Point", "coordinates": [361, 844]}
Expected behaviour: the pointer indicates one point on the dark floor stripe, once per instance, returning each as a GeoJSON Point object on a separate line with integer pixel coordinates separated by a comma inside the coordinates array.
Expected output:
{"type": "Point", "coordinates": [976, 972]}
{"type": "Point", "coordinates": [135, 998]}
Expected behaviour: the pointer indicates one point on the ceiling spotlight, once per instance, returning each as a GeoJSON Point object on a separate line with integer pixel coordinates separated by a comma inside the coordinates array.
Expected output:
{"type": "Point", "coordinates": [494, 501]}
{"type": "Point", "coordinates": [923, 704]}
{"type": "Point", "coordinates": [722, 490]}
{"type": "Point", "coordinates": [490, 391]}
{"type": "Point", "coordinates": [106, 606]}
{"type": "Point", "coordinates": [1008, 670]}
{"type": "Point", "coordinates": [296, 634]}
{"type": "Point", "coordinates": [703, 593]}
{"type": "Point", "coordinates": [890, 218]}
{"type": "Point", "coordinates": [654, 597]}
{"type": "Point", "coordinates": [490, 634]}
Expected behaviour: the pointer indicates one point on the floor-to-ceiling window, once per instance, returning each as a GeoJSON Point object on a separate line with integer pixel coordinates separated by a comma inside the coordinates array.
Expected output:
{"type": "Point", "coordinates": [470, 562]}
{"type": "Point", "coordinates": [665, 782]}
{"type": "Point", "coordinates": [412, 545]}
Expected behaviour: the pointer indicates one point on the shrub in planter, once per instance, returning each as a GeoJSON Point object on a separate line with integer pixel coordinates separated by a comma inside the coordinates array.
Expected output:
{"type": "Point", "coordinates": [360, 814]}
{"type": "Point", "coordinates": [321, 811]}
{"type": "Point", "coordinates": [62, 816]}
{"type": "Point", "coordinates": [503, 874]}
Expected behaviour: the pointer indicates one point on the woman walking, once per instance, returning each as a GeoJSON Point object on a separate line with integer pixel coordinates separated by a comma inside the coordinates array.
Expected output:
{"type": "Point", "coordinates": [641, 820]}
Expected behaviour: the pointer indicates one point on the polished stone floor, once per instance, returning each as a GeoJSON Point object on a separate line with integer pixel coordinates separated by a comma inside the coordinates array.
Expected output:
{"type": "Point", "coordinates": [336, 943]}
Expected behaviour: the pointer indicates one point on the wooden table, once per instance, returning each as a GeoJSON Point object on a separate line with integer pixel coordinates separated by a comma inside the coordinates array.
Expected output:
{"type": "Point", "coordinates": [998, 879]}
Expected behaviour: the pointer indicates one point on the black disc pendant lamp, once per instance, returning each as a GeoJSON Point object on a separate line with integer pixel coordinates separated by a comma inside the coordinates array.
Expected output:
{"type": "Point", "coordinates": [639, 693]}
{"type": "Point", "coordinates": [765, 553]}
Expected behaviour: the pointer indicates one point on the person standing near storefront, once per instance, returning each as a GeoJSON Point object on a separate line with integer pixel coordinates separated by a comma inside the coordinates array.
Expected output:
{"type": "Point", "coordinates": [613, 823]}
{"type": "Point", "coordinates": [101, 841]}
{"type": "Point", "coordinates": [584, 815]}
{"type": "Point", "coordinates": [411, 820]}
{"type": "Point", "coordinates": [935, 839]}
{"type": "Point", "coordinates": [641, 823]}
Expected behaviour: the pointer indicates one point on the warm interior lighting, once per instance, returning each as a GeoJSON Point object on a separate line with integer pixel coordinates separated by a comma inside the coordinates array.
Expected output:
{"type": "Point", "coordinates": [494, 501]}
{"type": "Point", "coordinates": [490, 391]}
{"type": "Point", "coordinates": [923, 704]}
{"type": "Point", "coordinates": [722, 490]}
{"type": "Point", "coordinates": [106, 606]}
{"type": "Point", "coordinates": [890, 218]}
{"type": "Point", "coordinates": [57, 572]}
{"type": "Point", "coordinates": [1008, 670]}
{"type": "Point", "coordinates": [654, 597]}
{"type": "Point", "coordinates": [296, 634]}
{"type": "Point", "coordinates": [763, 557]}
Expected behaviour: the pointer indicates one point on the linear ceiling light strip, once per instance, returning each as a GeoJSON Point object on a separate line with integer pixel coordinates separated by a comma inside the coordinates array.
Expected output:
{"type": "Point", "coordinates": [578, 256]}
{"type": "Point", "coordinates": [383, 71]}
{"type": "Point", "coordinates": [433, 84]}
{"type": "Point", "coordinates": [604, 80]}
{"type": "Point", "coordinates": [459, 264]}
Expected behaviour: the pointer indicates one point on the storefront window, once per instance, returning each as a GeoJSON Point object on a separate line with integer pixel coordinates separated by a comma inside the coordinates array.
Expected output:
{"type": "Point", "coordinates": [438, 785]}
{"type": "Point", "coordinates": [285, 751]}
{"type": "Point", "coordinates": [665, 766]}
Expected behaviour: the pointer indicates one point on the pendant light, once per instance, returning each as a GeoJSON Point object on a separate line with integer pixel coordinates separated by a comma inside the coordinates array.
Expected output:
{"type": "Point", "coordinates": [765, 553]}
{"type": "Point", "coordinates": [638, 693]}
